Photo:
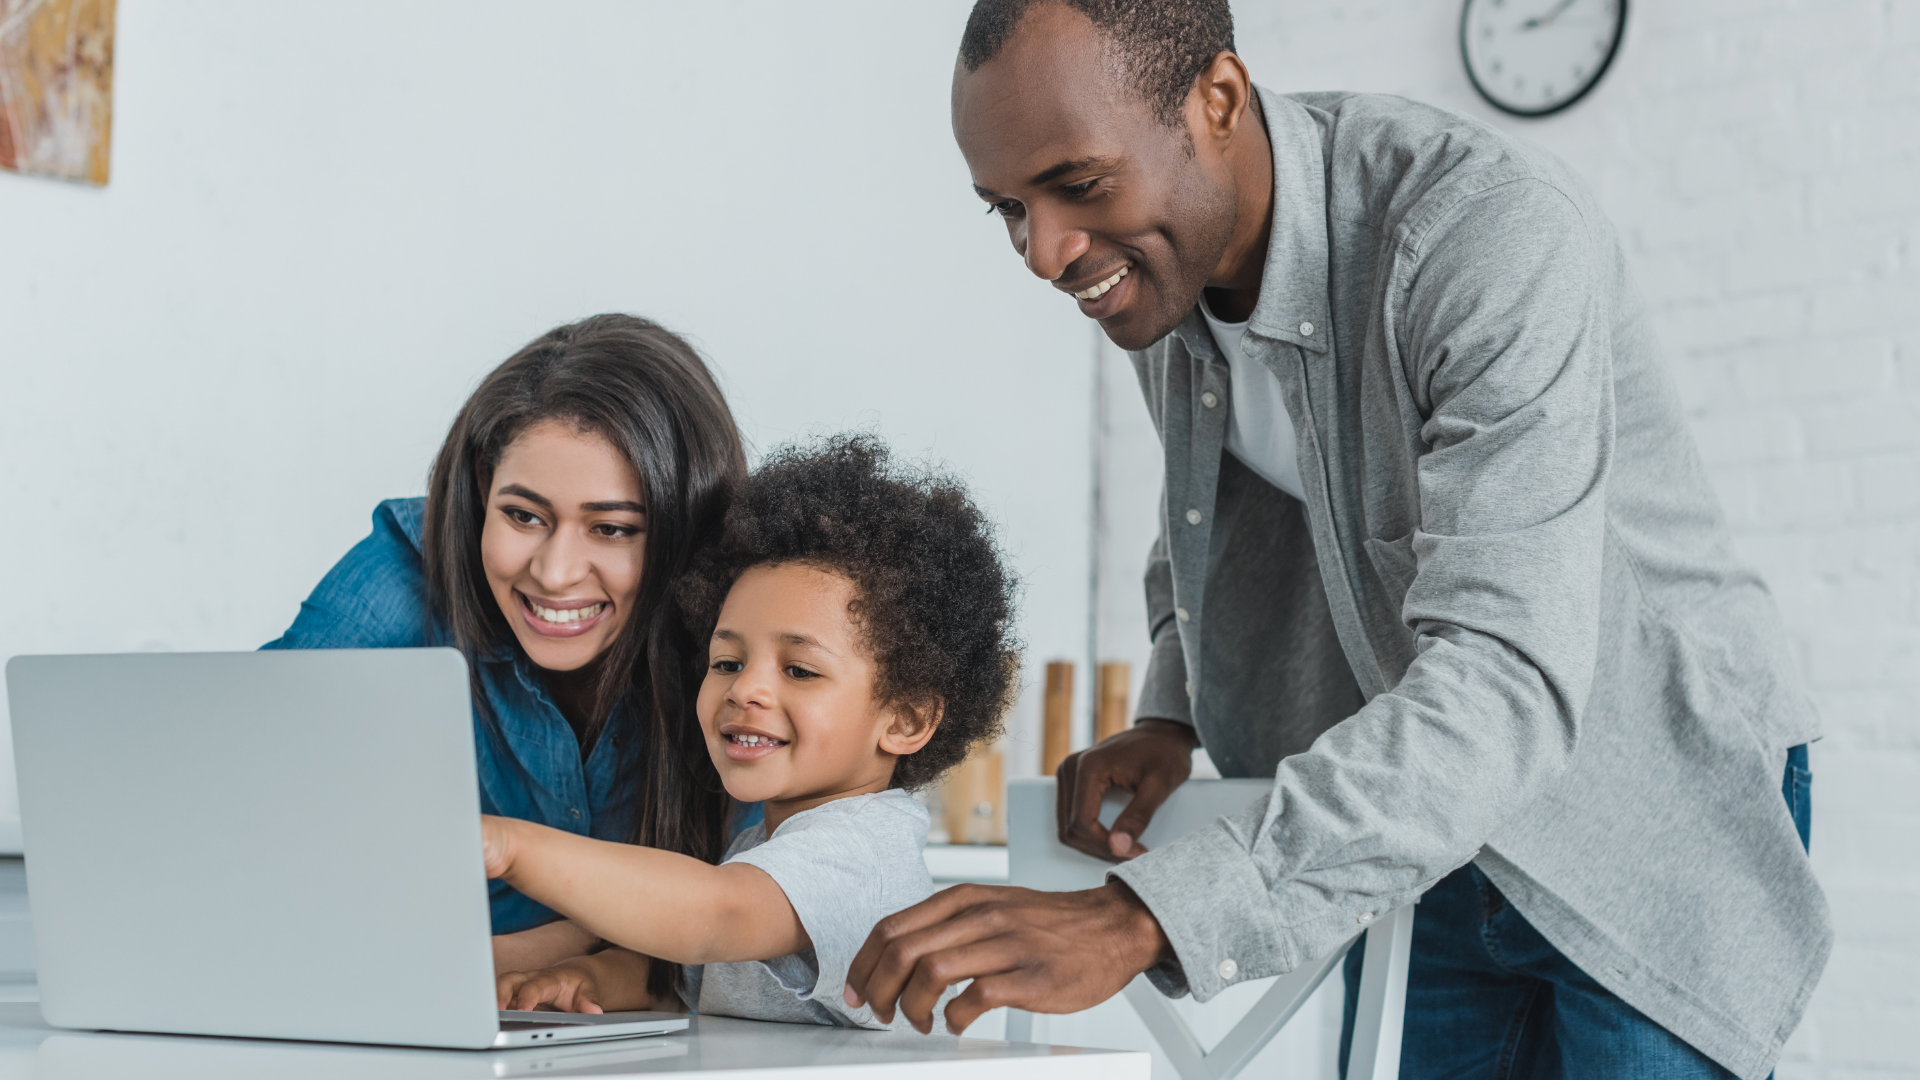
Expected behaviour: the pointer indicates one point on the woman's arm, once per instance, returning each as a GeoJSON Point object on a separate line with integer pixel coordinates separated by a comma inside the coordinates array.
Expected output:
{"type": "Point", "coordinates": [669, 906]}
{"type": "Point", "coordinates": [540, 947]}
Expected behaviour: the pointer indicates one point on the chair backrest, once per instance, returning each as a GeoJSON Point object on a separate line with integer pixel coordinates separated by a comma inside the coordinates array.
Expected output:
{"type": "Point", "coordinates": [1036, 859]}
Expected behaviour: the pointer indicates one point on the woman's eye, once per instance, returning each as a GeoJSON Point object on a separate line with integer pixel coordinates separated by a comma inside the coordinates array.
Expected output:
{"type": "Point", "coordinates": [616, 532]}
{"type": "Point", "coordinates": [795, 671]}
{"type": "Point", "coordinates": [731, 667]}
{"type": "Point", "coordinates": [521, 517]}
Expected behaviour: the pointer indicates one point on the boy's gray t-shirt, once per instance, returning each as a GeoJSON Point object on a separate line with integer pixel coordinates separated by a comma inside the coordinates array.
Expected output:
{"type": "Point", "coordinates": [844, 866]}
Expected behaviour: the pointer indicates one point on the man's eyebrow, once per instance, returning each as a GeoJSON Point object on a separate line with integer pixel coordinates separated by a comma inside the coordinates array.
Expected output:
{"type": "Point", "coordinates": [1065, 167]}
{"type": "Point", "coordinates": [527, 493]}
{"type": "Point", "coordinates": [615, 506]}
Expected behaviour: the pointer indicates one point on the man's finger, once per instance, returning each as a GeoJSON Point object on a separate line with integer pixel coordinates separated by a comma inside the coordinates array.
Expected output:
{"type": "Point", "coordinates": [1016, 988]}
{"type": "Point", "coordinates": [1083, 831]}
{"type": "Point", "coordinates": [1138, 813]}
{"type": "Point", "coordinates": [862, 984]}
{"type": "Point", "coordinates": [1063, 780]}
{"type": "Point", "coordinates": [942, 968]}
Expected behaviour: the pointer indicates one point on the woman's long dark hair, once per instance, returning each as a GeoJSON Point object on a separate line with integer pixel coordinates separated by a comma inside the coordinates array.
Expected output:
{"type": "Point", "coordinates": [647, 392]}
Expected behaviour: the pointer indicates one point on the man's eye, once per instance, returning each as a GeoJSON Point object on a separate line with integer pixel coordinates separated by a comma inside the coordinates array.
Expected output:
{"type": "Point", "coordinates": [1075, 191]}
{"type": "Point", "coordinates": [731, 667]}
{"type": "Point", "coordinates": [795, 671]}
{"type": "Point", "coordinates": [1005, 207]}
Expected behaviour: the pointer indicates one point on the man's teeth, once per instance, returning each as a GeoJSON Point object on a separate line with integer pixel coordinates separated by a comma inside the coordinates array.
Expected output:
{"type": "Point", "coordinates": [1100, 290]}
{"type": "Point", "coordinates": [566, 615]}
{"type": "Point", "coordinates": [753, 740]}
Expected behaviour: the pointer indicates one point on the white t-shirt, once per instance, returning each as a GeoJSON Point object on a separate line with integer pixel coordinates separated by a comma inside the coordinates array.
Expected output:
{"type": "Point", "coordinates": [1259, 432]}
{"type": "Point", "coordinates": [844, 866]}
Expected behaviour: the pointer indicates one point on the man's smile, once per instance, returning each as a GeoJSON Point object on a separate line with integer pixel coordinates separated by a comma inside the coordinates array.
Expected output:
{"type": "Point", "coordinates": [1099, 288]}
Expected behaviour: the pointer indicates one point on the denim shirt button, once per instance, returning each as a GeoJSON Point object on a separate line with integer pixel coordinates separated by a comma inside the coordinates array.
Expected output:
{"type": "Point", "coordinates": [575, 811]}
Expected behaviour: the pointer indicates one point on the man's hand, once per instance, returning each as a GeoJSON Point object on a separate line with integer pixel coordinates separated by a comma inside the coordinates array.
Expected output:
{"type": "Point", "coordinates": [1051, 952]}
{"type": "Point", "coordinates": [1150, 759]}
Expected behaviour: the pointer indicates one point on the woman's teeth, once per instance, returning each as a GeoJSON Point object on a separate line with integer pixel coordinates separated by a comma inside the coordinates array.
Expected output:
{"type": "Point", "coordinates": [1100, 290]}
{"type": "Point", "coordinates": [754, 740]}
{"type": "Point", "coordinates": [562, 616]}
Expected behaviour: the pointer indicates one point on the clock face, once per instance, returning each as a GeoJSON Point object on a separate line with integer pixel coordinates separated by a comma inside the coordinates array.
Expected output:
{"type": "Point", "coordinates": [1534, 57]}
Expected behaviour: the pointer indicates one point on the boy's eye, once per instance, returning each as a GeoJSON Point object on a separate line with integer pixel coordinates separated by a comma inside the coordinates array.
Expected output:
{"type": "Point", "coordinates": [731, 667]}
{"type": "Point", "coordinates": [795, 671]}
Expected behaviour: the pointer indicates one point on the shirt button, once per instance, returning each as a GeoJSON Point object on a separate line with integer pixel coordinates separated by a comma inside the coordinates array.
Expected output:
{"type": "Point", "coordinates": [575, 811]}
{"type": "Point", "coordinates": [1182, 612]}
{"type": "Point", "coordinates": [1209, 399]}
{"type": "Point", "coordinates": [1365, 918]}
{"type": "Point", "coordinates": [1189, 687]}
{"type": "Point", "coordinates": [1306, 329]}
{"type": "Point", "coordinates": [1193, 517]}
{"type": "Point", "coordinates": [1228, 969]}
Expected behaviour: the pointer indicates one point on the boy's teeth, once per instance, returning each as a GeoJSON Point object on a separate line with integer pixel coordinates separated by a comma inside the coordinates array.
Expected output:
{"type": "Point", "coordinates": [1097, 291]}
{"type": "Point", "coordinates": [566, 615]}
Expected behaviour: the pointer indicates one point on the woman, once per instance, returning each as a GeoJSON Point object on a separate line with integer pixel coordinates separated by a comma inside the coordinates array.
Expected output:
{"type": "Point", "coordinates": [573, 489]}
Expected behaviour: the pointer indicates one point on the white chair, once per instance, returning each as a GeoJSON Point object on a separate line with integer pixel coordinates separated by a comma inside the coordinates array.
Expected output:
{"type": "Point", "coordinates": [1038, 860]}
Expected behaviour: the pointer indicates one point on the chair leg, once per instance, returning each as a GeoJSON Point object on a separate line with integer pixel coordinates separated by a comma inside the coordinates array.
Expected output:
{"type": "Point", "coordinates": [1383, 999]}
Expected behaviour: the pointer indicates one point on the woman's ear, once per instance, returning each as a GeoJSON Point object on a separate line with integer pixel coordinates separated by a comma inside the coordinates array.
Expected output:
{"type": "Point", "coordinates": [911, 726]}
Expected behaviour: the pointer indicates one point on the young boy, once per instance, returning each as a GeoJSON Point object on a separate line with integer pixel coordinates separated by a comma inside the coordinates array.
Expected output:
{"type": "Point", "coordinates": [859, 648]}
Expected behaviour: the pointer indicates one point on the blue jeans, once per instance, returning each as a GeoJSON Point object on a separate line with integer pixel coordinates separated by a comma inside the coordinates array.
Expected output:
{"type": "Point", "coordinates": [1487, 996]}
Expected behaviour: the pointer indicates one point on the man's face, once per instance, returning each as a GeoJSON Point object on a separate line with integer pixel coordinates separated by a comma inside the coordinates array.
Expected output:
{"type": "Point", "coordinates": [1096, 192]}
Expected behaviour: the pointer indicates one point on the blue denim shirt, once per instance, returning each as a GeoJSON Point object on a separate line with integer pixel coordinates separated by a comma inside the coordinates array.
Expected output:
{"type": "Point", "coordinates": [529, 759]}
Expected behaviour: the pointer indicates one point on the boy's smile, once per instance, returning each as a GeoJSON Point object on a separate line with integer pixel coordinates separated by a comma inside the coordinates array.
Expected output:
{"type": "Point", "coordinates": [788, 704]}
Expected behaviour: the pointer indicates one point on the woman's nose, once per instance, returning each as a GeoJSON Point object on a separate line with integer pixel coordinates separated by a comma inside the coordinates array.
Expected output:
{"type": "Point", "coordinates": [560, 564]}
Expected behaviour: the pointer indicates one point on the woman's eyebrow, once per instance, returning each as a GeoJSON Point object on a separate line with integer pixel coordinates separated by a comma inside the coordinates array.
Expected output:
{"type": "Point", "coordinates": [615, 506]}
{"type": "Point", "coordinates": [526, 493]}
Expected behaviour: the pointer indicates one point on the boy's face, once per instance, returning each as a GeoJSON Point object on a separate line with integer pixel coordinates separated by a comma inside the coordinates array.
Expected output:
{"type": "Point", "coordinates": [788, 706]}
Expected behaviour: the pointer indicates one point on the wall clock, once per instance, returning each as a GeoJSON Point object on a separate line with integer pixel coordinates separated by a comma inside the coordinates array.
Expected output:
{"type": "Point", "coordinates": [1536, 57]}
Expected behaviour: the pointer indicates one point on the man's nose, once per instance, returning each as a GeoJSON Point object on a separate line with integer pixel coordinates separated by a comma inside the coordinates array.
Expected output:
{"type": "Point", "coordinates": [1050, 245]}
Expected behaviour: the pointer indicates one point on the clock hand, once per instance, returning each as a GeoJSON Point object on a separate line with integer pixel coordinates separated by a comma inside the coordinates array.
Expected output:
{"type": "Point", "coordinates": [1539, 21]}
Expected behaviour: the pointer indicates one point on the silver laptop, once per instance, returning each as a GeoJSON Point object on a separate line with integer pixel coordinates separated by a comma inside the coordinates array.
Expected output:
{"type": "Point", "coordinates": [280, 845]}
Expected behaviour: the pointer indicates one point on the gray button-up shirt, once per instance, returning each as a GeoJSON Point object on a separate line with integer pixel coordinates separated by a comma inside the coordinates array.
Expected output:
{"type": "Point", "coordinates": [1506, 626]}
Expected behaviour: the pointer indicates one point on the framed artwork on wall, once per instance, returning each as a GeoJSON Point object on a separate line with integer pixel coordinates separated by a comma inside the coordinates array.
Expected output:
{"type": "Point", "coordinates": [56, 87]}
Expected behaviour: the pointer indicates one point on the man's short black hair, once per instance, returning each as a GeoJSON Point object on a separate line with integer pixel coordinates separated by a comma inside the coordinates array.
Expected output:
{"type": "Point", "coordinates": [1162, 45]}
{"type": "Point", "coordinates": [934, 602]}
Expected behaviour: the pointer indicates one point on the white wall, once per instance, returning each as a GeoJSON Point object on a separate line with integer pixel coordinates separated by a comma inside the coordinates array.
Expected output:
{"type": "Point", "coordinates": [1762, 160]}
{"type": "Point", "coordinates": [327, 221]}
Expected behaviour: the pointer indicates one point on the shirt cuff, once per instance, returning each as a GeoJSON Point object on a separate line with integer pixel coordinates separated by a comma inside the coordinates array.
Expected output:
{"type": "Point", "coordinates": [1231, 937]}
{"type": "Point", "coordinates": [1164, 694]}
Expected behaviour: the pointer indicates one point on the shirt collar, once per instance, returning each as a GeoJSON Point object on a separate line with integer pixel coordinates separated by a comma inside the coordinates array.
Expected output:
{"type": "Point", "coordinates": [1292, 305]}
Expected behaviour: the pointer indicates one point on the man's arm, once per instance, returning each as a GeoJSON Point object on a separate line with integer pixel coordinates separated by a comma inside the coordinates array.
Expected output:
{"type": "Point", "coordinates": [1509, 349]}
{"type": "Point", "coordinates": [669, 906]}
{"type": "Point", "coordinates": [1149, 759]}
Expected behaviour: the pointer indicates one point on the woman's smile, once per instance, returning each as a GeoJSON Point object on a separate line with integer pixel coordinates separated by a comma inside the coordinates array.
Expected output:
{"type": "Point", "coordinates": [561, 618]}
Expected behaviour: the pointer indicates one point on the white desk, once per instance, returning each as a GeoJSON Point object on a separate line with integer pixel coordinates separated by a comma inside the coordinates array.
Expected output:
{"type": "Point", "coordinates": [715, 1047]}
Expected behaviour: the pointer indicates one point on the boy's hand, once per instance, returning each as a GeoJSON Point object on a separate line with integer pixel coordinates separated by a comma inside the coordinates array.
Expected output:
{"type": "Point", "coordinates": [614, 979]}
{"type": "Point", "coordinates": [496, 844]}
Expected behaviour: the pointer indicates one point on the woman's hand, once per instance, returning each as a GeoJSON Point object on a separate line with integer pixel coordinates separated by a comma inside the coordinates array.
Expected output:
{"type": "Point", "coordinates": [614, 980]}
{"type": "Point", "coordinates": [496, 844]}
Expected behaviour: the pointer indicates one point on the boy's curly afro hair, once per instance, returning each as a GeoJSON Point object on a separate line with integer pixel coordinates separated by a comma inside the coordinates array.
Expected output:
{"type": "Point", "coordinates": [935, 605]}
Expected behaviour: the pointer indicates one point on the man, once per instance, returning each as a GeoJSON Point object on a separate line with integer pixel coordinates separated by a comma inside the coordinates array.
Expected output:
{"type": "Point", "coordinates": [1437, 553]}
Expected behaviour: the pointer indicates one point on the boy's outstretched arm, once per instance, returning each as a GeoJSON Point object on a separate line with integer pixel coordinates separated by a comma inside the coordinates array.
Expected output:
{"type": "Point", "coordinates": [669, 906]}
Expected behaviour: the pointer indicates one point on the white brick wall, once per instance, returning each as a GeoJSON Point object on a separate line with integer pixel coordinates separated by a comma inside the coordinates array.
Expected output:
{"type": "Point", "coordinates": [1762, 161]}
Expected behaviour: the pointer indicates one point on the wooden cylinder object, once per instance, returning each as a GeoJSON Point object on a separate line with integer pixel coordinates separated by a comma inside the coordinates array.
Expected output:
{"type": "Point", "coordinates": [974, 800]}
{"type": "Point", "coordinates": [1111, 720]}
{"type": "Point", "coordinates": [1056, 737]}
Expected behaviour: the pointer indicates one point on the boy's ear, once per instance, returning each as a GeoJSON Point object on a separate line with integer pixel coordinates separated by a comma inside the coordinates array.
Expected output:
{"type": "Point", "coordinates": [911, 727]}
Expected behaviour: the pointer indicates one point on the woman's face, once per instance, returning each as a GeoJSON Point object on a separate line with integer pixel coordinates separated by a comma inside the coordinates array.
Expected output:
{"type": "Point", "coordinates": [564, 543]}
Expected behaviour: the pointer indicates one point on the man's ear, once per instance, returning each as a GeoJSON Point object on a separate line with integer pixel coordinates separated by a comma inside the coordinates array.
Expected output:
{"type": "Point", "coordinates": [1223, 92]}
{"type": "Point", "coordinates": [911, 726]}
